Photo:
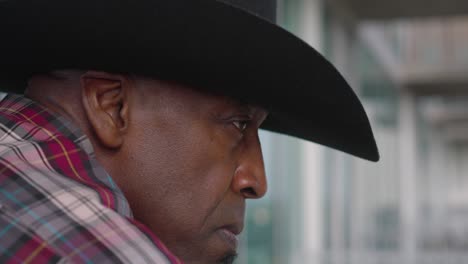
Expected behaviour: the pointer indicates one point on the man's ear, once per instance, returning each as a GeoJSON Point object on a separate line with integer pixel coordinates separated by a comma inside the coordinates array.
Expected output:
{"type": "Point", "coordinates": [106, 106]}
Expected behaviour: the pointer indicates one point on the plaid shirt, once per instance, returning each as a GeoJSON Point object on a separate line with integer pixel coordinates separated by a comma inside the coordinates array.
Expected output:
{"type": "Point", "coordinates": [57, 204]}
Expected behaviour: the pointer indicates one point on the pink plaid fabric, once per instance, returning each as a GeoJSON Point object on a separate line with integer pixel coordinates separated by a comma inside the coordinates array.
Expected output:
{"type": "Point", "coordinates": [57, 204]}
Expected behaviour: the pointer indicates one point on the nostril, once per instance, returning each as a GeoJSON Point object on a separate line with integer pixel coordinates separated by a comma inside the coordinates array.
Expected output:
{"type": "Point", "coordinates": [249, 192]}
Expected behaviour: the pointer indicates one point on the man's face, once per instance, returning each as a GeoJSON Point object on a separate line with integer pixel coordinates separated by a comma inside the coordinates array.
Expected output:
{"type": "Point", "coordinates": [191, 161]}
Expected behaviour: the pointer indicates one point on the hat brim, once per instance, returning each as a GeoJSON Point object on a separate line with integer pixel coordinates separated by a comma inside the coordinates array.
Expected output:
{"type": "Point", "coordinates": [206, 44]}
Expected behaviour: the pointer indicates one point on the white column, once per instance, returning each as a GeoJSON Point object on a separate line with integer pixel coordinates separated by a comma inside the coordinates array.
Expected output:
{"type": "Point", "coordinates": [311, 23]}
{"type": "Point", "coordinates": [313, 204]}
{"type": "Point", "coordinates": [311, 32]}
{"type": "Point", "coordinates": [408, 174]}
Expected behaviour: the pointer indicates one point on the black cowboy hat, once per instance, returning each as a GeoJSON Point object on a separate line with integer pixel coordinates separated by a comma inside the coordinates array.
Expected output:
{"type": "Point", "coordinates": [227, 47]}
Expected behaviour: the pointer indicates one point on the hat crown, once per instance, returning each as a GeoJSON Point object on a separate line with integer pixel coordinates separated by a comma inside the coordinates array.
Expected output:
{"type": "Point", "coordinates": [263, 8]}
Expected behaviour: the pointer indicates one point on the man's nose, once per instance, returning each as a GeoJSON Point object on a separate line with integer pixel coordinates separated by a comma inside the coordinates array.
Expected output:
{"type": "Point", "coordinates": [250, 179]}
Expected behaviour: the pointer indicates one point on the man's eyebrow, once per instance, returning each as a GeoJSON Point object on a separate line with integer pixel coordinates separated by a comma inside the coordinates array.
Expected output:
{"type": "Point", "coordinates": [250, 109]}
{"type": "Point", "coordinates": [245, 107]}
{"type": "Point", "coordinates": [239, 105]}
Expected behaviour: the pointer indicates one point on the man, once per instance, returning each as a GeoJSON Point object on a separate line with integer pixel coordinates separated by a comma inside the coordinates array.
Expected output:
{"type": "Point", "coordinates": [136, 139]}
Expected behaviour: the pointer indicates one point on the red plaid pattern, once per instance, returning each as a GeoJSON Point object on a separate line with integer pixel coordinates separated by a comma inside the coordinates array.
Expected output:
{"type": "Point", "coordinates": [57, 204]}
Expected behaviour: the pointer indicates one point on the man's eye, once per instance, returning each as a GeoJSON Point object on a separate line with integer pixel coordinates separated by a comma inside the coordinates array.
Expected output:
{"type": "Point", "coordinates": [241, 124]}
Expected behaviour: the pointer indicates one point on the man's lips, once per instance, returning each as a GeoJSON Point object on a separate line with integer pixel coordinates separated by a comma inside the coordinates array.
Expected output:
{"type": "Point", "coordinates": [235, 229]}
{"type": "Point", "coordinates": [229, 234]}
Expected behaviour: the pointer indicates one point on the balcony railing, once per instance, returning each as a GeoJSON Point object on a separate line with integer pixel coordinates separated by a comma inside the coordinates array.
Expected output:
{"type": "Point", "coordinates": [429, 55]}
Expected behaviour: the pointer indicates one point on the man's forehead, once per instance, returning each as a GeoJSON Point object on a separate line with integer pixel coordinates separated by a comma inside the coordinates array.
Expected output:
{"type": "Point", "coordinates": [177, 91]}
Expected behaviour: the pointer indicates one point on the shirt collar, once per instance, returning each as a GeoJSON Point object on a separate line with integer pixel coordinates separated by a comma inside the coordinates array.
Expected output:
{"type": "Point", "coordinates": [26, 109]}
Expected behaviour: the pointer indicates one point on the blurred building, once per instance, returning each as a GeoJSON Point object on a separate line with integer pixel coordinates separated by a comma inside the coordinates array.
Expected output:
{"type": "Point", "coordinates": [408, 62]}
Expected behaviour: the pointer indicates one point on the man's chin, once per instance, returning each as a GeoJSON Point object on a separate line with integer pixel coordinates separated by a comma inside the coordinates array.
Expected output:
{"type": "Point", "coordinates": [228, 258]}
{"type": "Point", "coordinates": [218, 248]}
{"type": "Point", "coordinates": [215, 252]}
